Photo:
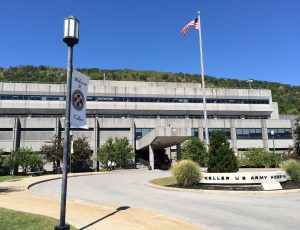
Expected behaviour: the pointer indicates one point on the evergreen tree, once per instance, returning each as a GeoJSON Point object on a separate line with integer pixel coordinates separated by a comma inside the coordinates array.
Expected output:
{"type": "Point", "coordinates": [194, 149]}
{"type": "Point", "coordinates": [221, 156]}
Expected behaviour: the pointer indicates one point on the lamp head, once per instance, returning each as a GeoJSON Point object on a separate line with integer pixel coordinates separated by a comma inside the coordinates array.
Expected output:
{"type": "Point", "coordinates": [71, 31]}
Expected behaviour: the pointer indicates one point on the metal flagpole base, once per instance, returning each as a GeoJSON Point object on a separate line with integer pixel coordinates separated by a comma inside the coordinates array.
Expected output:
{"type": "Point", "coordinates": [66, 227]}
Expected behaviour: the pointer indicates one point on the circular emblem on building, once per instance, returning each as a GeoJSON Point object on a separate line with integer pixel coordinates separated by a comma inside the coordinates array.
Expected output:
{"type": "Point", "coordinates": [78, 100]}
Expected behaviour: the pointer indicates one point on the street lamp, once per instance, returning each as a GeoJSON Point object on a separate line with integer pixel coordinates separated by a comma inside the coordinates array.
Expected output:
{"type": "Point", "coordinates": [71, 38]}
{"type": "Point", "coordinates": [273, 134]}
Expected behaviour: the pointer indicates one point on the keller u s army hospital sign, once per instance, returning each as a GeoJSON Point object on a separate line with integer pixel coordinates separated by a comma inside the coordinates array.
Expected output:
{"type": "Point", "coordinates": [243, 177]}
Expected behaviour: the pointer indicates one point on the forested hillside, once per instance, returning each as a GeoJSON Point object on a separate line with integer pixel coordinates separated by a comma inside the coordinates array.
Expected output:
{"type": "Point", "coordinates": [287, 96]}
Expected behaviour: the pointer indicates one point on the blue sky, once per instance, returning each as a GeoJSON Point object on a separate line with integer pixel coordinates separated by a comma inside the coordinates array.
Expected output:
{"type": "Point", "coordinates": [242, 39]}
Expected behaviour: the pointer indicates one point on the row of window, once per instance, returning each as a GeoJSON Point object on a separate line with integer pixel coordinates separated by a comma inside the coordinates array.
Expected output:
{"type": "Point", "coordinates": [241, 133]}
{"type": "Point", "coordinates": [136, 99]}
{"type": "Point", "coordinates": [140, 116]}
{"type": "Point", "coordinates": [250, 133]}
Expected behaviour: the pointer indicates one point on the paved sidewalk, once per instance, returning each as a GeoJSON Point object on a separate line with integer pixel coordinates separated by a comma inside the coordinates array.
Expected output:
{"type": "Point", "coordinates": [15, 195]}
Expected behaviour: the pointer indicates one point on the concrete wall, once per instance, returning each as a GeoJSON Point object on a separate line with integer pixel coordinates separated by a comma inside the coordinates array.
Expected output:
{"type": "Point", "coordinates": [138, 89]}
{"type": "Point", "coordinates": [34, 132]}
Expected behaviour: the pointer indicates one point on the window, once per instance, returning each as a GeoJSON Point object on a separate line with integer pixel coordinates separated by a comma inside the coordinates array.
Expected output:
{"type": "Point", "coordinates": [225, 131]}
{"type": "Point", "coordinates": [140, 132]}
{"type": "Point", "coordinates": [280, 133]}
{"type": "Point", "coordinates": [195, 132]}
{"type": "Point", "coordinates": [138, 99]}
{"type": "Point", "coordinates": [248, 133]}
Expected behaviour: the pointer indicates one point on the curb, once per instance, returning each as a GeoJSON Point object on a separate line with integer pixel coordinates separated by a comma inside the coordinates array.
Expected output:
{"type": "Point", "coordinates": [223, 192]}
{"type": "Point", "coordinates": [69, 176]}
{"type": "Point", "coordinates": [59, 176]}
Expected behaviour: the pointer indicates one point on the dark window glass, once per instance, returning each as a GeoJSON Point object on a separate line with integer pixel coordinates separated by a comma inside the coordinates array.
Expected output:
{"type": "Point", "coordinates": [140, 132]}
{"type": "Point", "coordinates": [225, 131]}
{"type": "Point", "coordinates": [195, 132]}
{"type": "Point", "coordinates": [280, 133]}
{"type": "Point", "coordinates": [248, 133]}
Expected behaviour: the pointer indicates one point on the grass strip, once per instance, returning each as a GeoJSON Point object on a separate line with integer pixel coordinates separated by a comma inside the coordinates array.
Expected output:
{"type": "Point", "coordinates": [16, 220]}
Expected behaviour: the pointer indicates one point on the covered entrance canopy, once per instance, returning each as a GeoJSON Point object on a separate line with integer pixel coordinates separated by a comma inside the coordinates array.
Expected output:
{"type": "Point", "coordinates": [160, 138]}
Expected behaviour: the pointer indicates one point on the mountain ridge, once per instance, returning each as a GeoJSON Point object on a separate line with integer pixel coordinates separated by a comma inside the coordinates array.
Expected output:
{"type": "Point", "coordinates": [287, 96]}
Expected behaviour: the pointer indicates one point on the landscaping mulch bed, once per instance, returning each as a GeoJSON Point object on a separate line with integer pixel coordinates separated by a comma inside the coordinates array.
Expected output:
{"type": "Point", "coordinates": [225, 187]}
{"type": "Point", "coordinates": [235, 187]}
{"type": "Point", "coordinates": [290, 185]}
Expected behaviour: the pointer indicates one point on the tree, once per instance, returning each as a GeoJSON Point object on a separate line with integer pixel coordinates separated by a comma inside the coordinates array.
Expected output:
{"type": "Point", "coordinates": [194, 149]}
{"type": "Point", "coordinates": [81, 157]}
{"type": "Point", "coordinates": [11, 162]}
{"type": "Point", "coordinates": [53, 152]}
{"type": "Point", "coordinates": [117, 150]}
{"type": "Point", "coordinates": [24, 157]}
{"type": "Point", "coordinates": [221, 156]}
{"type": "Point", "coordinates": [123, 152]}
{"type": "Point", "coordinates": [106, 152]}
{"type": "Point", "coordinates": [297, 136]}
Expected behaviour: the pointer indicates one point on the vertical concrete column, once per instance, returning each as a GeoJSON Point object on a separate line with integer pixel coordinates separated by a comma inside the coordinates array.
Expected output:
{"type": "Point", "coordinates": [16, 134]}
{"type": "Point", "coordinates": [132, 137]}
{"type": "Point", "coordinates": [151, 157]}
{"type": "Point", "coordinates": [168, 152]}
{"type": "Point", "coordinates": [233, 136]}
{"type": "Point", "coordinates": [200, 133]}
{"type": "Point", "coordinates": [178, 149]}
{"type": "Point", "coordinates": [264, 132]}
{"type": "Point", "coordinates": [95, 145]}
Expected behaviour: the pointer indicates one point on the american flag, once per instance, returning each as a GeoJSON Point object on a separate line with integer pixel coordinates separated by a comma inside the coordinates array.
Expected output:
{"type": "Point", "coordinates": [193, 23]}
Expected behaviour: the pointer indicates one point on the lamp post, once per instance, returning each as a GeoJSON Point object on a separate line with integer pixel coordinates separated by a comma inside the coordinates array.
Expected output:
{"type": "Point", "coordinates": [71, 38]}
{"type": "Point", "coordinates": [273, 134]}
{"type": "Point", "coordinates": [14, 162]}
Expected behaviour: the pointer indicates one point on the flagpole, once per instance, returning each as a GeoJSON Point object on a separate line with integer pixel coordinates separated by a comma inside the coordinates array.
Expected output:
{"type": "Point", "coordinates": [203, 84]}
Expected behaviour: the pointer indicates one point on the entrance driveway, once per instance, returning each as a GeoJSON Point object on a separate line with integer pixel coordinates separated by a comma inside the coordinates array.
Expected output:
{"type": "Point", "coordinates": [211, 211]}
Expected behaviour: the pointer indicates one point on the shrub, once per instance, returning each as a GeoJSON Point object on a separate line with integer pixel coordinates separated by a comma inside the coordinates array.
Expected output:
{"type": "Point", "coordinates": [194, 149]}
{"type": "Point", "coordinates": [24, 157]}
{"type": "Point", "coordinates": [186, 173]}
{"type": "Point", "coordinates": [292, 168]}
{"type": "Point", "coordinates": [258, 157]}
{"type": "Point", "coordinates": [221, 156]}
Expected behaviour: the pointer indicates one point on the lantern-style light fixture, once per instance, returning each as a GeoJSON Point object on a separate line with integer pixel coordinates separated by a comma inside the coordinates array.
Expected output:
{"type": "Point", "coordinates": [272, 132]}
{"type": "Point", "coordinates": [71, 31]}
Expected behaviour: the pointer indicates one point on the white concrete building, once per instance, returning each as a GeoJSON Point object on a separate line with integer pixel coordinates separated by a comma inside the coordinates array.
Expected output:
{"type": "Point", "coordinates": [169, 113]}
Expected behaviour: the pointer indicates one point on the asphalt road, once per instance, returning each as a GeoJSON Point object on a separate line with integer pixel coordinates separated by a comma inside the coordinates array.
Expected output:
{"type": "Point", "coordinates": [211, 211]}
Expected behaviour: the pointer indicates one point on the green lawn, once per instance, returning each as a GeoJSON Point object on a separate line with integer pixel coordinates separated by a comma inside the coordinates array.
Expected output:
{"type": "Point", "coordinates": [15, 220]}
{"type": "Point", "coordinates": [165, 181]}
{"type": "Point", "coordinates": [10, 177]}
